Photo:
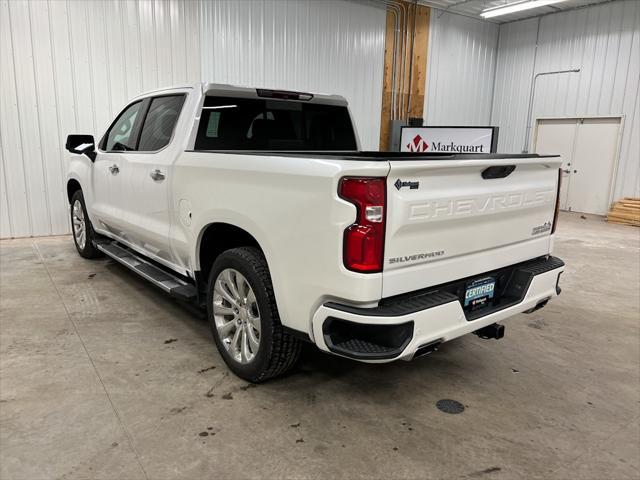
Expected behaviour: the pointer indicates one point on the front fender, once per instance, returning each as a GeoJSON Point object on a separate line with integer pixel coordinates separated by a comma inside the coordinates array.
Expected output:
{"type": "Point", "coordinates": [80, 169]}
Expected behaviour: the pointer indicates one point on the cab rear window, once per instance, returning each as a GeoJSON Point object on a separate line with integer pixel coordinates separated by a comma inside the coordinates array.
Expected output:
{"type": "Point", "coordinates": [228, 123]}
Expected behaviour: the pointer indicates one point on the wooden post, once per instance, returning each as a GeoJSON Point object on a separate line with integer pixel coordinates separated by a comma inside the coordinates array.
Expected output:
{"type": "Point", "coordinates": [410, 94]}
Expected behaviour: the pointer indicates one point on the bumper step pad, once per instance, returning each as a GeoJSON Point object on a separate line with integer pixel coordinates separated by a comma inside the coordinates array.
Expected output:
{"type": "Point", "coordinates": [398, 306]}
{"type": "Point", "coordinates": [366, 341]}
{"type": "Point", "coordinates": [364, 347]}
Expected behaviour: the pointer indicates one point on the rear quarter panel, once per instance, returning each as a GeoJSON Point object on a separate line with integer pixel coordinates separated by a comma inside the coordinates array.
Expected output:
{"type": "Point", "coordinates": [291, 207]}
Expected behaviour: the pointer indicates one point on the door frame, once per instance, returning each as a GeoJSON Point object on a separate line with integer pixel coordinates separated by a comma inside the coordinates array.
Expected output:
{"type": "Point", "coordinates": [616, 159]}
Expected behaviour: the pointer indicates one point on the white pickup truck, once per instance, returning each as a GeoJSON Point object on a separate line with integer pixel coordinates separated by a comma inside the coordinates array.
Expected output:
{"type": "Point", "coordinates": [258, 204]}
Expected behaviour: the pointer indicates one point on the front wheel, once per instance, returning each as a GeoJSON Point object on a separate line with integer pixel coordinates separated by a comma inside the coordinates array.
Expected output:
{"type": "Point", "coordinates": [244, 318]}
{"type": "Point", "coordinates": [83, 234]}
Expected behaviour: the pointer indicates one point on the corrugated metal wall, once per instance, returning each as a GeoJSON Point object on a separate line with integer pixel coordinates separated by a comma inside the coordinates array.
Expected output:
{"type": "Point", "coordinates": [604, 42]}
{"type": "Point", "coordinates": [513, 83]}
{"type": "Point", "coordinates": [329, 46]}
{"type": "Point", "coordinates": [69, 66]}
{"type": "Point", "coordinates": [460, 70]}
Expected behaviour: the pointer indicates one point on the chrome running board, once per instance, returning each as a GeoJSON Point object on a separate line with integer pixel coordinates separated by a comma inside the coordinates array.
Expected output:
{"type": "Point", "coordinates": [170, 283]}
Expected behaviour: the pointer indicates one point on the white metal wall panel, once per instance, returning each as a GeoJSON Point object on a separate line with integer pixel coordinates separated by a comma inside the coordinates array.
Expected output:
{"type": "Point", "coordinates": [460, 71]}
{"type": "Point", "coordinates": [69, 67]}
{"type": "Point", "coordinates": [327, 47]}
{"type": "Point", "coordinates": [27, 120]}
{"type": "Point", "coordinates": [516, 50]}
{"type": "Point", "coordinates": [604, 42]}
{"type": "Point", "coordinates": [5, 221]}
{"type": "Point", "coordinates": [14, 183]}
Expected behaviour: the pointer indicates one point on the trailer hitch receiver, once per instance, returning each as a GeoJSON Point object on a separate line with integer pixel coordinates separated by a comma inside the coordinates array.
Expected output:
{"type": "Point", "coordinates": [491, 331]}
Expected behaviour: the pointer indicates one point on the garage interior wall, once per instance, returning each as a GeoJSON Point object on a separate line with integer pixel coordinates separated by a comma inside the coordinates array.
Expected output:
{"type": "Point", "coordinates": [70, 66]}
{"type": "Point", "coordinates": [604, 42]}
{"type": "Point", "coordinates": [332, 46]}
{"type": "Point", "coordinates": [63, 69]}
{"type": "Point", "coordinates": [481, 73]}
{"type": "Point", "coordinates": [460, 70]}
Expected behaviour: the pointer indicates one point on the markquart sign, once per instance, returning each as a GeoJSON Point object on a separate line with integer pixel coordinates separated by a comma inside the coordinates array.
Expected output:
{"type": "Point", "coordinates": [449, 139]}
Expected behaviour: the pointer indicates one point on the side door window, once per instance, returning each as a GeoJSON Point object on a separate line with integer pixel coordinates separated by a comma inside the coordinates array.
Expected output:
{"type": "Point", "coordinates": [122, 135]}
{"type": "Point", "coordinates": [160, 122]}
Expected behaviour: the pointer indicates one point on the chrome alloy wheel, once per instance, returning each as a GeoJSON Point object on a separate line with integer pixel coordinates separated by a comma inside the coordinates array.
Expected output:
{"type": "Point", "coordinates": [79, 224]}
{"type": "Point", "coordinates": [236, 315]}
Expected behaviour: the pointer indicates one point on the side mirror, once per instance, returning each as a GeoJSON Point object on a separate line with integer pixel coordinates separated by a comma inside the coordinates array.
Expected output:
{"type": "Point", "coordinates": [82, 144]}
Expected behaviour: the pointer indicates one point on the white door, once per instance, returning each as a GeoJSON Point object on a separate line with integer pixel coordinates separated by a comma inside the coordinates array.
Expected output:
{"type": "Point", "coordinates": [589, 147]}
{"type": "Point", "coordinates": [110, 168]}
{"type": "Point", "coordinates": [145, 195]}
{"type": "Point", "coordinates": [593, 166]}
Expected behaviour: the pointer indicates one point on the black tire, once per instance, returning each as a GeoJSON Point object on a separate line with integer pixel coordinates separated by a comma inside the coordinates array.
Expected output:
{"type": "Point", "coordinates": [89, 250]}
{"type": "Point", "coordinates": [278, 351]}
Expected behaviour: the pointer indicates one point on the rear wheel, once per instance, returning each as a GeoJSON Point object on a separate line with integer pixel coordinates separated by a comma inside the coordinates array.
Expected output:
{"type": "Point", "coordinates": [83, 234]}
{"type": "Point", "coordinates": [244, 318]}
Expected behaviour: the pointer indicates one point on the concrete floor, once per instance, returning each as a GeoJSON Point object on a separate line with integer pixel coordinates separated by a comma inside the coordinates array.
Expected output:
{"type": "Point", "coordinates": [102, 376]}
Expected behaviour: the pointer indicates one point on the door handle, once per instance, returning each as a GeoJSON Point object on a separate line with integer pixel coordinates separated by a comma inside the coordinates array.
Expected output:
{"type": "Point", "coordinates": [114, 169]}
{"type": "Point", "coordinates": [157, 175]}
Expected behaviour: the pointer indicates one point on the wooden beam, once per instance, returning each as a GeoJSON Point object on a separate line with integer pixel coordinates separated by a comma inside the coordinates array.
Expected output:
{"type": "Point", "coordinates": [419, 72]}
{"type": "Point", "coordinates": [387, 80]}
{"type": "Point", "coordinates": [410, 83]}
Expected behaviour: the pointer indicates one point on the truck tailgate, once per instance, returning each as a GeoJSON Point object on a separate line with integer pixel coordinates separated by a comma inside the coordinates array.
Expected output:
{"type": "Point", "coordinates": [446, 222]}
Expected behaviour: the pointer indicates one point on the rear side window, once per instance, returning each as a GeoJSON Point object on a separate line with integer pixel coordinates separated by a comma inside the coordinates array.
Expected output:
{"type": "Point", "coordinates": [121, 136]}
{"type": "Point", "coordinates": [228, 123]}
{"type": "Point", "coordinates": [160, 122]}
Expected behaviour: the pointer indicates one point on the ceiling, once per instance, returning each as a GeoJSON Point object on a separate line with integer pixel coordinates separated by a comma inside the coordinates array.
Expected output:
{"type": "Point", "coordinates": [472, 8]}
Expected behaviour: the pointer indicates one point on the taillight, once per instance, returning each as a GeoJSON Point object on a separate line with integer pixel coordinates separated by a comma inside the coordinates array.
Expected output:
{"type": "Point", "coordinates": [364, 239]}
{"type": "Point", "coordinates": [555, 214]}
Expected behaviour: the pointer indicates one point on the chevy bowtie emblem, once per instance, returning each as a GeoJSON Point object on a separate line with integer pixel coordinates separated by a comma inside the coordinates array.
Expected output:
{"type": "Point", "coordinates": [412, 185]}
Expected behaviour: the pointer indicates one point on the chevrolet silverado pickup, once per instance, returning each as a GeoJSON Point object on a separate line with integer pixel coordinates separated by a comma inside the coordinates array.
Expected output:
{"type": "Point", "coordinates": [259, 205]}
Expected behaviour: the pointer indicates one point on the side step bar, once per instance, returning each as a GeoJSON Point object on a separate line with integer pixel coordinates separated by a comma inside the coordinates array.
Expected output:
{"type": "Point", "coordinates": [171, 284]}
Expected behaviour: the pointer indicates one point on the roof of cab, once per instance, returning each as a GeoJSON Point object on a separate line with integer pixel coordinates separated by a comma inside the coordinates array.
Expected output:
{"type": "Point", "coordinates": [242, 91]}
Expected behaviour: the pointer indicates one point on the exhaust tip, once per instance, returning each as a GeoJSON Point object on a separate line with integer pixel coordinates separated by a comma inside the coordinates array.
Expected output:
{"type": "Point", "coordinates": [493, 331]}
{"type": "Point", "coordinates": [539, 305]}
{"type": "Point", "coordinates": [427, 348]}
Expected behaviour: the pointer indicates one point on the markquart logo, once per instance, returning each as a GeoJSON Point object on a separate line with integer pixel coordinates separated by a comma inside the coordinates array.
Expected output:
{"type": "Point", "coordinates": [419, 144]}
